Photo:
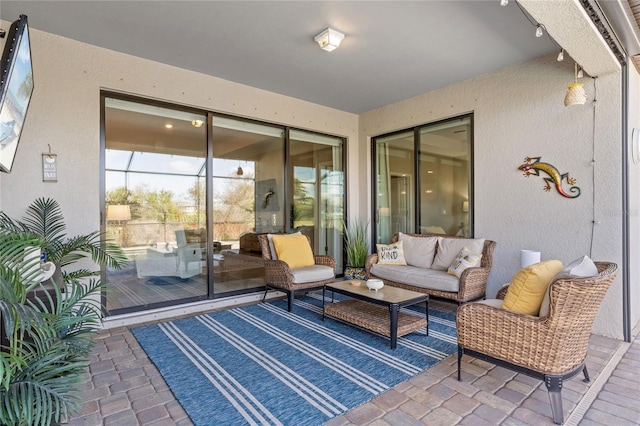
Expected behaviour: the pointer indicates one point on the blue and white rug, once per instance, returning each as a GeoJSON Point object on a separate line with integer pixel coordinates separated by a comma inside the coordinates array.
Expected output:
{"type": "Point", "coordinates": [262, 365]}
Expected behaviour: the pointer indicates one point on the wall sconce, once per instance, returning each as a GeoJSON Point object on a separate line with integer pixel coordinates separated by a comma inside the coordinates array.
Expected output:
{"type": "Point", "coordinates": [329, 39]}
{"type": "Point", "coordinates": [575, 93]}
{"type": "Point", "coordinates": [465, 206]}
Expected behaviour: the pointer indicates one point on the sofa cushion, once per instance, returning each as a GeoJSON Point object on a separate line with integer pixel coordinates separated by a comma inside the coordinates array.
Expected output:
{"type": "Point", "coordinates": [312, 273]}
{"type": "Point", "coordinates": [294, 250]}
{"type": "Point", "coordinates": [464, 260]}
{"type": "Point", "coordinates": [391, 254]}
{"type": "Point", "coordinates": [582, 267]}
{"type": "Point", "coordinates": [418, 277]}
{"type": "Point", "coordinates": [448, 249]}
{"type": "Point", "coordinates": [528, 286]}
{"type": "Point", "coordinates": [418, 251]}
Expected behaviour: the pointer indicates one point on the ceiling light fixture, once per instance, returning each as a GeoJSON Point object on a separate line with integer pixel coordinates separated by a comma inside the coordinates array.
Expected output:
{"type": "Point", "coordinates": [197, 123]}
{"type": "Point", "coordinates": [329, 39]}
{"type": "Point", "coordinates": [168, 126]}
{"type": "Point", "coordinates": [539, 31]}
{"type": "Point", "coordinates": [239, 172]}
{"type": "Point", "coordinates": [575, 93]}
{"type": "Point", "coordinates": [504, 2]}
{"type": "Point", "coordinates": [580, 72]}
{"type": "Point", "coordinates": [561, 55]}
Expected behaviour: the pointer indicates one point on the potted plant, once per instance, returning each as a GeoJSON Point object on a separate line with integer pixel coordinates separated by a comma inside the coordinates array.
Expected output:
{"type": "Point", "coordinates": [357, 248]}
{"type": "Point", "coordinates": [48, 330]}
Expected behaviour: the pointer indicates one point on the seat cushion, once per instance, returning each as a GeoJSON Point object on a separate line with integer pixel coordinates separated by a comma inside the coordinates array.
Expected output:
{"type": "Point", "coordinates": [528, 286]}
{"type": "Point", "coordinates": [495, 303]}
{"type": "Point", "coordinates": [448, 249]}
{"type": "Point", "coordinates": [418, 277]}
{"type": "Point", "coordinates": [312, 273]}
{"type": "Point", "coordinates": [418, 251]}
{"type": "Point", "coordinates": [294, 250]}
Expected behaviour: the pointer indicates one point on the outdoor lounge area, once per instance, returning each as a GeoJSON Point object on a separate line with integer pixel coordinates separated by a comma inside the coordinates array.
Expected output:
{"type": "Point", "coordinates": [320, 212]}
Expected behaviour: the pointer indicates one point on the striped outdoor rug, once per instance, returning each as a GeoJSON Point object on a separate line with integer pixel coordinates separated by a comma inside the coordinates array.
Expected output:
{"type": "Point", "coordinates": [265, 366]}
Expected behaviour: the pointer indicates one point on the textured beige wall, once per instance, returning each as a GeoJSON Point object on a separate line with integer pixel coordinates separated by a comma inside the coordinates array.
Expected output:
{"type": "Point", "coordinates": [65, 113]}
{"type": "Point", "coordinates": [519, 112]}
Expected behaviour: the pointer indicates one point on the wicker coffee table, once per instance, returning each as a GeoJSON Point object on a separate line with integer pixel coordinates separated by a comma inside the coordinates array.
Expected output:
{"type": "Point", "coordinates": [377, 311]}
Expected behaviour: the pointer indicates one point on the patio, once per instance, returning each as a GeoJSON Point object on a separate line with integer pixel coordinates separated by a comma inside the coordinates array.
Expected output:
{"type": "Point", "coordinates": [124, 387]}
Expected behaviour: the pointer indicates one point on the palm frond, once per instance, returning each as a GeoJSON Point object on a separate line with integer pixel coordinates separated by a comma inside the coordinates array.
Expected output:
{"type": "Point", "coordinates": [44, 217]}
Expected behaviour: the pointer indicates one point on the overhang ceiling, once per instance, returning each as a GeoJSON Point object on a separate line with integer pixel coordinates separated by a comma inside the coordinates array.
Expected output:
{"type": "Point", "coordinates": [393, 50]}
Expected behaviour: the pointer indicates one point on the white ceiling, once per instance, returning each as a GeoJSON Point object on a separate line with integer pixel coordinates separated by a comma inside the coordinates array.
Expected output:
{"type": "Point", "coordinates": [393, 50]}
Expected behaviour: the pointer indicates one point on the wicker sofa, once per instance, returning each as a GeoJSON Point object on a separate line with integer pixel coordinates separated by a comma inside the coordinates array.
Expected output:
{"type": "Point", "coordinates": [471, 285]}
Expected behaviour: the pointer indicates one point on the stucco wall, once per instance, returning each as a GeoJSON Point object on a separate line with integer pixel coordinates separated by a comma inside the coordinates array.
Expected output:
{"type": "Point", "coordinates": [65, 113]}
{"type": "Point", "coordinates": [519, 112]}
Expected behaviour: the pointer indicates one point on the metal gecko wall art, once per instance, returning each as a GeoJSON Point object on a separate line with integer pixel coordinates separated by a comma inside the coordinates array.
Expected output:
{"type": "Point", "coordinates": [533, 166]}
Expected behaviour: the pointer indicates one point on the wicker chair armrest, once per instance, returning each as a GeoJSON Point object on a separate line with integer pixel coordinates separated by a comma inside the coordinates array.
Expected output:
{"type": "Point", "coordinates": [523, 340]}
{"type": "Point", "coordinates": [473, 283]}
{"type": "Point", "coordinates": [371, 260]}
{"type": "Point", "coordinates": [502, 292]}
{"type": "Point", "coordinates": [325, 260]}
{"type": "Point", "coordinates": [278, 273]}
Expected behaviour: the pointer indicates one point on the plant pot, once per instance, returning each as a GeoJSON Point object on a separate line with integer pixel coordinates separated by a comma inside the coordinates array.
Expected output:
{"type": "Point", "coordinates": [355, 273]}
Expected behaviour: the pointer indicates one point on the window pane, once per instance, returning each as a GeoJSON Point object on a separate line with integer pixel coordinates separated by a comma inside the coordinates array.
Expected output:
{"type": "Point", "coordinates": [317, 193]}
{"type": "Point", "coordinates": [155, 197]}
{"type": "Point", "coordinates": [248, 199]}
{"type": "Point", "coordinates": [395, 176]}
{"type": "Point", "coordinates": [445, 152]}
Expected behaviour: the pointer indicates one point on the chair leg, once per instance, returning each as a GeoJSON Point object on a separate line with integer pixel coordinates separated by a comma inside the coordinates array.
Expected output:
{"type": "Point", "coordinates": [290, 300]}
{"type": "Point", "coordinates": [586, 374]}
{"type": "Point", "coordinates": [460, 352]}
{"type": "Point", "coordinates": [266, 289]}
{"type": "Point", "coordinates": [554, 387]}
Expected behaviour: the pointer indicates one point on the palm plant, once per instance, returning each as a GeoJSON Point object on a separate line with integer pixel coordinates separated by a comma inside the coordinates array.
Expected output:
{"type": "Point", "coordinates": [45, 220]}
{"type": "Point", "coordinates": [48, 329]}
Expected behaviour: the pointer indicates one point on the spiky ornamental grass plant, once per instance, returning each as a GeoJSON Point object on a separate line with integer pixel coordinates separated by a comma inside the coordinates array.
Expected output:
{"type": "Point", "coordinates": [357, 246]}
{"type": "Point", "coordinates": [49, 330]}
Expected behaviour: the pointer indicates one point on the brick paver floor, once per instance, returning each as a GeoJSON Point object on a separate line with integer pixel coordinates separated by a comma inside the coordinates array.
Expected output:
{"type": "Point", "coordinates": [123, 387]}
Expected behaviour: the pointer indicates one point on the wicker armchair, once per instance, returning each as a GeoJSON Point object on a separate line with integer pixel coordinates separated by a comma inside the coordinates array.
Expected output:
{"type": "Point", "coordinates": [280, 277]}
{"type": "Point", "coordinates": [551, 348]}
{"type": "Point", "coordinates": [473, 281]}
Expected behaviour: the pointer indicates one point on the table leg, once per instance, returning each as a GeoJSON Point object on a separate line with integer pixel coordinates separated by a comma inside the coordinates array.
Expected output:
{"type": "Point", "coordinates": [426, 310]}
{"type": "Point", "coordinates": [323, 291]}
{"type": "Point", "coordinates": [393, 313]}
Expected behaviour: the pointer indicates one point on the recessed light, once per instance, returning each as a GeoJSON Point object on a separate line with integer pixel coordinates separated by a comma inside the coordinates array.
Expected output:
{"type": "Point", "coordinates": [197, 123]}
{"type": "Point", "coordinates": [169, 126]}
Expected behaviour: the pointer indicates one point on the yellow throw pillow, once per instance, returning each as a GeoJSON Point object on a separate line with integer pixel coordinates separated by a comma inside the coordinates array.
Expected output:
{"type": "Point", "coordinates": [294, 250]}
{"type": "Point", "coordinates": [528, 286]}
{"type": "Point", "coordinates": [391, 254]}
{"type": "Point", "coordinates": [464, 260]}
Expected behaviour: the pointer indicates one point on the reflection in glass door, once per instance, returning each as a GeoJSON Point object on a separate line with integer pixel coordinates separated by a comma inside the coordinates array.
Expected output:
{"type": "Point", "coordinates": [394, 171]}
{"type": "Point", "coordinates": [155, 204]}
{"type": "Point", "coordinates": [442, 182]}
{"type": "Point", "coordinates": [248, 200]}
{"type": "Point", "coordinates": [317, 191]}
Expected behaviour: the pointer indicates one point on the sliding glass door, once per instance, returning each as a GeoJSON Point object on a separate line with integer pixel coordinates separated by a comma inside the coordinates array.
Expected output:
{"type": "Point", "coordinates": [187, 193]}
{"type": "Point", "coordinates": [432, 194]}
{"type": "Point", "coordinates": [155, 204]}
{"type": "Point", "coordinates": [317, 191]}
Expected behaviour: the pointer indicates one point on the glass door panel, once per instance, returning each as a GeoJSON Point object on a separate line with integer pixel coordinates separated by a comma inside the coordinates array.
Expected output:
{"type": "Point", "coordinates": [445, 152]}
{"type": "Point", "coordinates": [317, 191]}
{"type": "Point", "coordinates": [394, 177]}
{"type": "Point", "coordinates": [155, 210]}
{"type": "Point", "coordinates": [248, 200]}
